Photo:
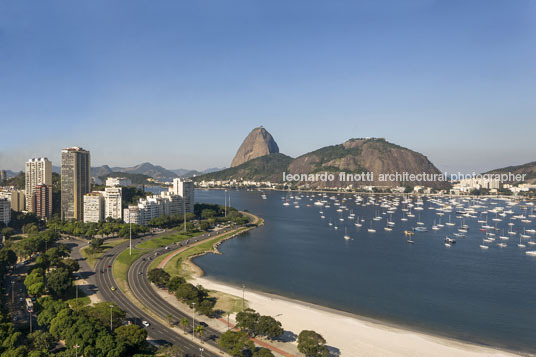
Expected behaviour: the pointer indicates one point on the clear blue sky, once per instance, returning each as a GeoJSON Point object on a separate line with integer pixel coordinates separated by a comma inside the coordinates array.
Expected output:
{"type": "Point", "coordinates": [181, 83]}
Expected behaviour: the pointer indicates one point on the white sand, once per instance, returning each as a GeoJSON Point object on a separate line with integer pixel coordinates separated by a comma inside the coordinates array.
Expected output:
{"type": "Point", "coordinates": [350, 334]}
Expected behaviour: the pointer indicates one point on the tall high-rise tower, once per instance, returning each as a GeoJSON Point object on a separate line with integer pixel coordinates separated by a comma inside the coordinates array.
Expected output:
{"type": "Point", "coordinates": [185, 188]}
{"type": "Point", "coordinates": [75, 182]}
{"type": "Point", "coordinates": [38, 172]}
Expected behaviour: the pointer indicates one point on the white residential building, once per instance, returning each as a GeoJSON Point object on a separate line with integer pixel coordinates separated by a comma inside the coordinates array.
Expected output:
{"type": "Point", "coordinates": [118, 181]}
{"type": "Point", "coordinates": [38, 172]}
{"type": "Point", "coordinates": [172, 204]}
{"type": "Point", "coordinates": [5, 211]}
{"type": "Point", "coordinates": [93, 207]}
{"type": "Point", "coordinates": [185, 189]}
{"type": "Point", "coordinates": [152, 207]}
{"type": "Point", "coordinates": [113, 201]}
{"type": "Point", "coordinates": [132, 214]}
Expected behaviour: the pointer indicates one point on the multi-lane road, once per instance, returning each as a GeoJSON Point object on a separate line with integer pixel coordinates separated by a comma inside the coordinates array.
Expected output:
{"type": "Point", "coordinates": [144, 292]}
{"type": "Point", "coordinates": [153, 303]}
{"type": "Point", "coordinates": [161, 333]}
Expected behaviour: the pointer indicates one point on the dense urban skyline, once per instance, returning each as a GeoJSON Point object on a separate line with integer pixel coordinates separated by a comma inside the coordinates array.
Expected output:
{"type": "Point", "coordinates": [452, 80]}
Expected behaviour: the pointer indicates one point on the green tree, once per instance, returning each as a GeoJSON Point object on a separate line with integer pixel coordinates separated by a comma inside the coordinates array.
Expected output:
{"type": "Point", "coordinates": [170, 351]}
{"type": "Point", "coordinates": [59, 281]}
{"type": "Point", "coordinates": [200, 331]}
{"type": "Point", "coordinates": [262, 352]}
{"type": "Point", "coordinates": [312, 344]}
{"type": "Point", "coordinates": [133, 336]}
{"type": "Point", "coordinates": [158, 276]}
{"type": "Point", "coordinates": [41, 340]}
{"type": "Point", "coordinates": [49, 308]}
{"type": "Point", "coordinates": [269, 327]}
{"type": "Point", "coordinates": [101, 312]}
{"type": "Point", "coordinates": [187, 293]}
{"type": "Point", "coordinates": [174, 283]}
{"type": "Point", "coordinates": [29, 228]}
{"type": "Point", "coordinates": [8, 258]}
{"type": "Point", "coordinates": [206, 307]}
{"type": "Point", "coordinates": [184, 324]}
{"type": "Point", "coordinates": [35, 282]}
{"type": "Point", "coordinates": [236, 343]}
{"type": "Point", "coordinates": [70, 264]}
{"type": "Point", "coordinates": [247, 321]}
{"type": "Point", "coordinates": [8, 232]}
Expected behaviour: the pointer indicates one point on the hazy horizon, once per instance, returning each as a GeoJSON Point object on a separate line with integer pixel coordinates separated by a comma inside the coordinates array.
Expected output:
{"type": "Point", "coordinates": [181, 84]}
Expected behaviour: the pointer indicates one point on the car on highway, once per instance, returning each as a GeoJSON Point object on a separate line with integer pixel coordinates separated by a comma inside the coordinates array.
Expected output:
{"type": "Point", "coordinates": [112, 288]}
{"type": "Point", "coordinates": [145, 323]}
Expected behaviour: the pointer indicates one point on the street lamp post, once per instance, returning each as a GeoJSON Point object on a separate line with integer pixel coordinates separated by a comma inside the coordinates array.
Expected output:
{"type": "Point", "coordinates": [193, 321]}
{"type": "Point", "coordinates": [30, 322]}
{"type": "Point", "coordinates": [111, 318]}
{"type": "Point", "coordinates": [12, 291]}
{"type": "Point", "coordinates": [228, 324]}
{"type": "Point", "coordinates": [243, 297]}
{"type": "Point", "coordinates": [76, 347]}
{"type": "Point", "coordinates": [130, 236]}
{"type": "Point", "coordinates": [201, 349]}
{"type": "Point", "coordinates": [184, 209]}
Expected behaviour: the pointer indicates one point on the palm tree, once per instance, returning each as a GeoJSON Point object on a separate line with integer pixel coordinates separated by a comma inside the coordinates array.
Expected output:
{"type": "Point", "coordinates": [200, 330]}
{"type": "Point", "coordinates": [184, 324]}
{"type": "Point", "coordinates": [170, 320]}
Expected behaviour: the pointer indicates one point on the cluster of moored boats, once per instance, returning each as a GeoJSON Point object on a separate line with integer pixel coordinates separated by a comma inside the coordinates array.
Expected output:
{"type": "Point", "coordinates": [500, 221]}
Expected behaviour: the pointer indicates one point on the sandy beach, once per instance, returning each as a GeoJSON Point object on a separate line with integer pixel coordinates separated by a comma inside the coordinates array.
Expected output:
{"type": "Point", "coordinates": [349, 334]}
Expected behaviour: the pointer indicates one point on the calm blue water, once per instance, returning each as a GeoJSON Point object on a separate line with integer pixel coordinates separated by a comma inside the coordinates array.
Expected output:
{"type": "Point", "coordinates": [484, 296]}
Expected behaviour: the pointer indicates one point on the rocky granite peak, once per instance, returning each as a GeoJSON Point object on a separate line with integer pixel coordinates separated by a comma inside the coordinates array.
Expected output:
{"type": "Point", "coordinates": [259, 142]}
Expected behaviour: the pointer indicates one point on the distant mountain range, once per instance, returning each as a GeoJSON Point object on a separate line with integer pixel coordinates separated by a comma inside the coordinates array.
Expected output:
{"type": "Point", "coordinates": [10, 174]}
{"type": "Point", "coordinates": [146, 168]}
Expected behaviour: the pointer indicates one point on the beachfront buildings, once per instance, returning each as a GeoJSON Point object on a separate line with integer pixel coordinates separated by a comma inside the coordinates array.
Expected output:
{"type": "Point", "coordinates": [5, 211]}
{"type": "Point", "coordinates": [99, 205]}
{"type": "Point", "coordinates": [42, 201]}
{"type": "Point", "coordinates": [185, 189]}
{"type": "Point", "coordinates": [167, 203]}
{"type": "Point", "coordinates": [75, 182]}
{"type": "Point", "coordinates": [113, 202]}
{"type": "Point", "coordinates": [93, 207]}
{"type": "Point", "coordinates": [3, 176]}
{"type": "Point", "coordinates": [467, 185]}
{"type": "Point", "coordinates": [132, 214]}
{"type": "Point", "coordinates": [118, 181]}
{"type": "Point", "coordinates": [38, 172]}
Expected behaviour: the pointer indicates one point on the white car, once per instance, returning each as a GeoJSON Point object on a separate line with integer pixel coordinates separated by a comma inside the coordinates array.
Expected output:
{"type": "Point", "coordinates": [145, 323]}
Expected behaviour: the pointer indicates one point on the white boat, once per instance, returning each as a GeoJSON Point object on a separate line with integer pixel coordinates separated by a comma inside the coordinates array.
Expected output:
{"type": "Point", "coordinates": [346, 236]}
{"type": "Point", "coordinates": [483, 246]}
{"type": "Point", "coordinates": [531, 252]}
{"type": "Point", "coordinates": [521, 245]}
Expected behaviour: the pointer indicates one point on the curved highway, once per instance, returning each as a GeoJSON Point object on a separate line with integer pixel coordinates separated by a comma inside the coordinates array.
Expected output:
{"type": "Point", "coordinates": [105, 281]}
{"type": "Point", "coordinates": [144, 292]}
